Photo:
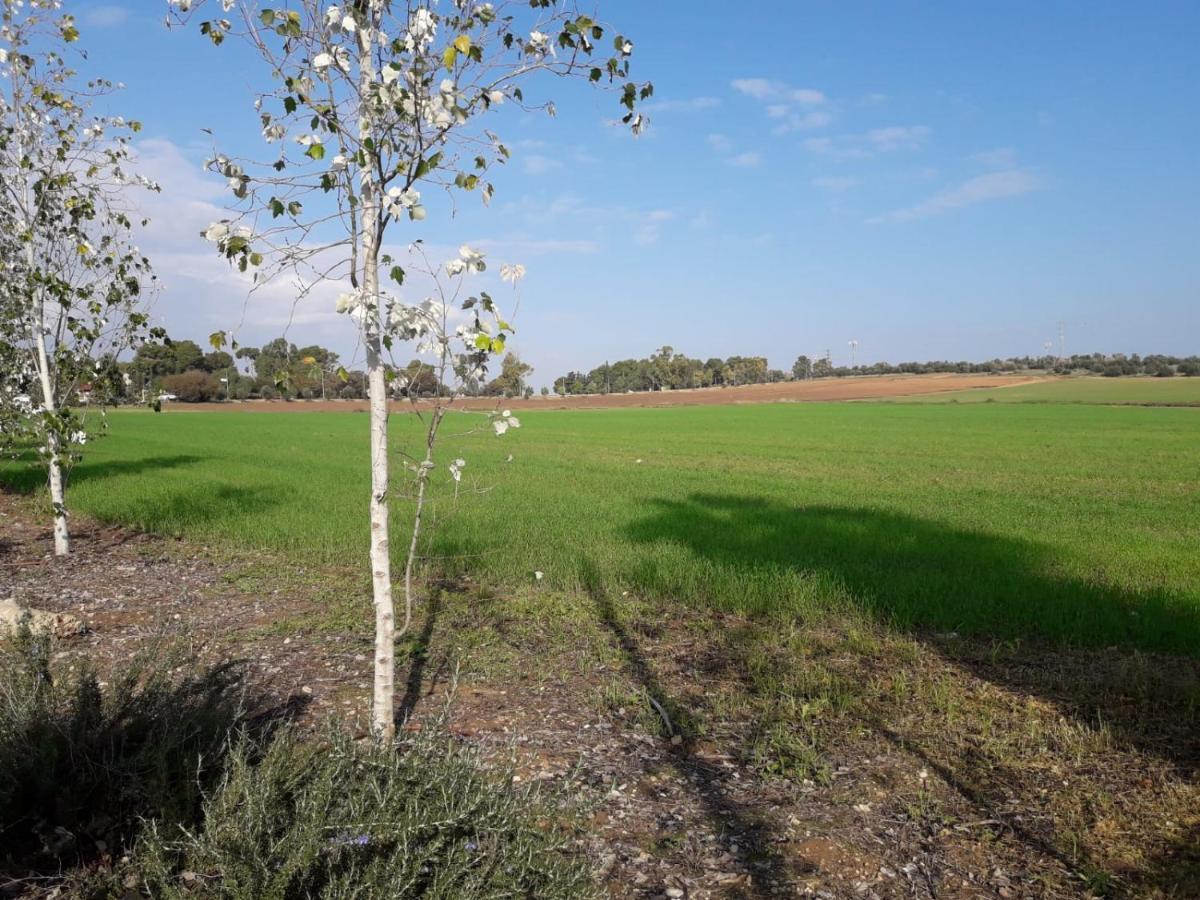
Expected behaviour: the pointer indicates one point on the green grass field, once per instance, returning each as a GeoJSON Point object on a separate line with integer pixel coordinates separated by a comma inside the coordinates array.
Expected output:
{"type": "Point", "coordinates": [1142, 391]}
{"type": "Point", "coordinates": [1075, 523]}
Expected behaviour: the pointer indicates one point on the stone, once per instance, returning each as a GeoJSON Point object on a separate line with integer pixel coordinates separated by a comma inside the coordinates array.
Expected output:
{"type": "Point", "coordinates": [58, 624]}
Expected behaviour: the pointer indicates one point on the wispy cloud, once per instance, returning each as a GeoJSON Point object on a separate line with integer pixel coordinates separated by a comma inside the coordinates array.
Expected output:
{"type": "Point", "coordinates": [835, 183]}
{"type": "Point", "coordinates": [719, 142]}
{"type": "Point", "coordinates": [650, 229]}
{"type": "Point", "coordinates": [871, 143]}
{"type": "Point", "coordinates": [748, 160]}
{"type": "Point", "coordinates": [981, 189]}
{"type": "Point", "coordinates": [898, 137]}
{"type": "Point", "coordinates": [539, 164]}
{"type": "Point", "coordinates": [795, 109]}
{"type": "Point", "coordinates": [690, 104]}
{"type": "Point", "coordinates": [777, 91]}
{"type": "Point", "coordinates": [724, 147]}
{"type": "Point", "coordinates": [1000, 158]}
{"type": "Point", "coordinates": [106, 16]}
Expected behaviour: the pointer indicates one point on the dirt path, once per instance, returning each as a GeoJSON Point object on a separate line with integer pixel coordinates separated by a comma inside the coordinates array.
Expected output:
{"type": "Point", "coordinates": [870, 387]}
{"type": "Point", "coordinates": [957, 789]}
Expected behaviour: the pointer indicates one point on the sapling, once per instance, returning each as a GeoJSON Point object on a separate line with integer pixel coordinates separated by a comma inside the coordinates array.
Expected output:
{"type": "Point", "coordinates": [369, 104]}
{"type": "Point", "coordinates": [71, 281]}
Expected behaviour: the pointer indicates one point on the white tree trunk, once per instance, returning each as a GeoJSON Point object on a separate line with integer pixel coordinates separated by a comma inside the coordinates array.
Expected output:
{"type": "Point", "coordinates": [62, 534]}
{"type": "Point", "coordinates": [384, 694]}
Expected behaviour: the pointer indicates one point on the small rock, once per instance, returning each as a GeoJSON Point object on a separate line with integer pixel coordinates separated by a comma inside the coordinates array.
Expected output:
{"type": "Point", "coordinates": [58, 624]}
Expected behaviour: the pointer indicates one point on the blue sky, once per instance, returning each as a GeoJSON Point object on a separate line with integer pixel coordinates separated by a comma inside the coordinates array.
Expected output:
{"type": "Point", "coordinates": [933, 180]}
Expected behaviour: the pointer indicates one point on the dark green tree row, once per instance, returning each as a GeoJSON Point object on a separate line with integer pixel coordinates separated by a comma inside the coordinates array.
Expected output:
{"type": "Point", "coordinates": [667, 370]}
{"type": "Point", "coordinates": [276, 370]}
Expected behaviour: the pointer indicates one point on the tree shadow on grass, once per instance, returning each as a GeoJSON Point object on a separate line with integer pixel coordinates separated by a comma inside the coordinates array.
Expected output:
{"type": "Point", "coordinates": [925, 577]}
{"type": "Point", "coordinates": [913, 573]}
{"type": "Point", "coordinates": [25, 474]}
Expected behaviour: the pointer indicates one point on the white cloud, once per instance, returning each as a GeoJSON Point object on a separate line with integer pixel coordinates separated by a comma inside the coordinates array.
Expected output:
{"type": "Point", "coordinates": [835, 183]}
{"type": "Point", "coordinates": [802, 121]}
{"type": "Point", "coordinates": [107, 16]}
{"type": "Point", "coordinates": [777, 91]}
{"type": "Point", "coordinates": [650, 230]}
{"type": "Point", "coordinates": [1000, 158]}
{"type": "Point", "coordinates": [720, 143]}
{"type": "Point", "coordinates": [747, 160]}
{"type": "Point", "coordinates": [982, 188]}
{"type": "Point", "coordinates": [792, 107]}
{"type": "Point", "coordinates": [692, 104]}
{"type": "Point", "coordinates": [898, 137]}
{"type": "Point", "coordinates": [872, 143]}
{"type": "Point", "coordinates": [539, 164]}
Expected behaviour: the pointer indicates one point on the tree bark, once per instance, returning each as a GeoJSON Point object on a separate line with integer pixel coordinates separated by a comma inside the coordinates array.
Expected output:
{"type": "Point", "coordinates": [58, 499]}
{"type": "Point", "coordinates": [383, 717]}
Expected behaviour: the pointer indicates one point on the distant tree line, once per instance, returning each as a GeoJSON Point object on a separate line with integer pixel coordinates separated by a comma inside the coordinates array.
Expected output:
{"type": "Point", "coordinates": [667, 370]}
{"type": "Point", "coordinates": [1111, 365]}
{"type": "Point", "coordinates": [281, 370]}
{"type": "Point", "coordinates": [276, 370]}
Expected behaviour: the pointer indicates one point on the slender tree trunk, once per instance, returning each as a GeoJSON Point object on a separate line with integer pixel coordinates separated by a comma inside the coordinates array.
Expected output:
{"type": "Point", "coordinates": [62, 534]}
{"type": "Point", "coordinates": [383, 697]}
{"type": "Point", "coordinates": [58, 499]}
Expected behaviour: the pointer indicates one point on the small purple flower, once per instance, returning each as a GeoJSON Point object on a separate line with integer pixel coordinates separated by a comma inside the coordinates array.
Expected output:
{"type": "Point", "coordinates": [345, 837]}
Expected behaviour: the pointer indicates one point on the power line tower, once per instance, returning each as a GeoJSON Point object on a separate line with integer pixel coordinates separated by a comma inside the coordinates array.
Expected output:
{"type": "Point", "coordinates": [1062, 341]}
{"type": "Point", "coordinates": [853, 352]}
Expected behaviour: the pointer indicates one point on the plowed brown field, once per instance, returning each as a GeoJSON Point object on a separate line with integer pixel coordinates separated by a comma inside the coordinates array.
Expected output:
{"type": "Point", "coordinates": [859, 388]}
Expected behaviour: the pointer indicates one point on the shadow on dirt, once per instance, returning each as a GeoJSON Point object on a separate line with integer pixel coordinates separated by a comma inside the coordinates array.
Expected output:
{"type": "Point", "coordinates": [712, 785]}
{"type": "Point", "coordinates": [923, 577]}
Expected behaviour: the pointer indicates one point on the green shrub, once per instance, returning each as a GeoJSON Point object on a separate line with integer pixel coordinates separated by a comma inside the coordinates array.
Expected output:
{"type": "Point", "coordinates": [82, 766]}
{"type": "Point", "coordinates": [332, 818]}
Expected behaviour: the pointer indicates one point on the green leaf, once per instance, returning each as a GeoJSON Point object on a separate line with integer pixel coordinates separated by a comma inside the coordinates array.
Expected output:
{"type": "Point", "coordinates": [397, 275]}
{"type": "Point", "coordinates": [217, 339]}
{"type": "Point", "coordinates": [268, 17]}
{"type": "Point", "coordinates": [462, 43]}
{"type": "Point", "coordinates": [315, 151]}
{"type": "Point", "coordinates": [448, 58]}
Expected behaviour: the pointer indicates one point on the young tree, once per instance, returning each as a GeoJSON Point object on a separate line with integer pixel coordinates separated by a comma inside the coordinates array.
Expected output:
{"type": "Point", "coordinates": [70, 279]}
{"type": "Point", "coordinates": [385, 99]}
{"type": "Point", "coordinates": [511, 380]}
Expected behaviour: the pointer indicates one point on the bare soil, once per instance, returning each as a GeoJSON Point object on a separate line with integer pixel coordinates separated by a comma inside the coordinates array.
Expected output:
{"type": "Point", "coordinates": [867, 387]}
{"type": "Point", "coordinates": [801, 760]}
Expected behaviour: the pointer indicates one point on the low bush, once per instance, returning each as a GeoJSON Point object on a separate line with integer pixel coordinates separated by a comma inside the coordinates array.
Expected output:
{"type": "Point", "coordinates": [81, 765]}
{"type": "Point", "coordinates": [159, 784]}
{"type": "Point", "coordinates": [332, 818]}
